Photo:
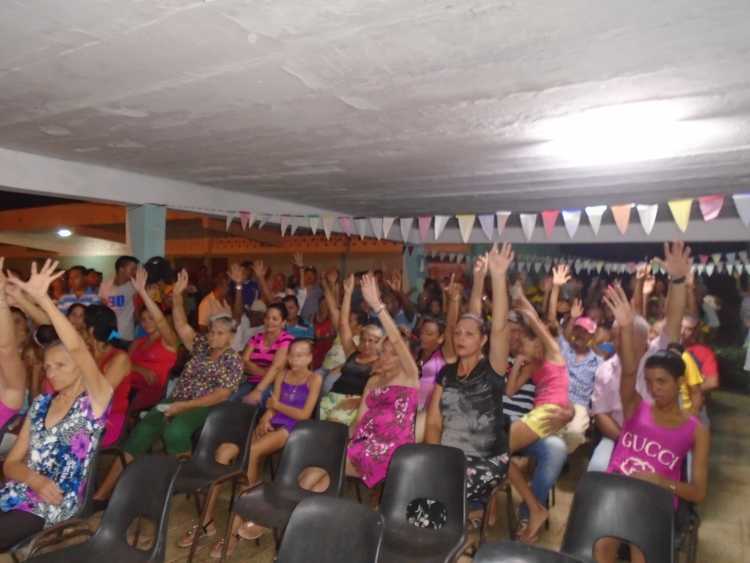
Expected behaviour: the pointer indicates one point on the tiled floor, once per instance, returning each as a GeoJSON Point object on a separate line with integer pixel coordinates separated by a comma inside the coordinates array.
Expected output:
{"type": "Point", "coordinates": [725, 529]}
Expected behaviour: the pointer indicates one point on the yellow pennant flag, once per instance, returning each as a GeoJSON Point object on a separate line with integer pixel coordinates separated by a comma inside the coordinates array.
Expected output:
{"type": "Point", "coordinates": [681, 212]}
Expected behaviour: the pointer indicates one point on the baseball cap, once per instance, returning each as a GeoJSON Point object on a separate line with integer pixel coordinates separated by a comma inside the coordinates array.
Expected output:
{"type": "Point", "coordinates": [586, 324]}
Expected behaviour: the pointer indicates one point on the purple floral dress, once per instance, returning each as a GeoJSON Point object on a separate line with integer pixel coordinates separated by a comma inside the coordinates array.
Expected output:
{"type": "Point", "coordinates": [387, 424]}
{"type": "Point", "coordinates": [62, 454]}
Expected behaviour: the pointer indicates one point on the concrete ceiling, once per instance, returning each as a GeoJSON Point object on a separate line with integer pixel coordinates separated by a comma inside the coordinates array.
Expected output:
{"type": "Point", "coordinates": [393, 107]}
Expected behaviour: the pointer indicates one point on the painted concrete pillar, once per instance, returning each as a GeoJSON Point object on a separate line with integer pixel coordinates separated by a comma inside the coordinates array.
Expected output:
{"type": "Point", "coordinates": [414, 266]}
{"type": "Point", "coordinates": [147, 229]}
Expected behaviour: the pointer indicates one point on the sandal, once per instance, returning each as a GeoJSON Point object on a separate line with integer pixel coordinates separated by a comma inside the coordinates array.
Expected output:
{"type": "Point", "coordinates": [218, 548]}
{"type": "Point", "coordinates": [186, 540]}
{"type": "Point", "coordinates": [251, 531]}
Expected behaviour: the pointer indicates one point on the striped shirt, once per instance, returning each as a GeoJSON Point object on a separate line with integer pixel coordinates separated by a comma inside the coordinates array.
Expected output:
{"type": "Point", "coordinates": [263, 355]}
{"type": "Point", "coordinates": [519, 404]}
{"type": "Point", "coordinates": [69, 299]}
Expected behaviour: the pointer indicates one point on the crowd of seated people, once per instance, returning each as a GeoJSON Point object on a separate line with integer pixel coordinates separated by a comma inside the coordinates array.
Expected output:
{"type": "Point", "coordinates": [516, 368]}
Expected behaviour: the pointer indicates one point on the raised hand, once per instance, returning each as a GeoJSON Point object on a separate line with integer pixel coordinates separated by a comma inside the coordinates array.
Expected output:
{"type": "Point", "coordinates": [139, 281]}
{"type": "Point", "coordinates": [260, 269]}
{"type": "Point", "coordinates": [349, 283]}
{"type": "Point", "coordinates": [521, 304]}
{"type": "Point", "coordinates": [182, 282]}
{"type": "Point", "coordinates": [370, 291]}
{"type": "Point", "coordinates": [236, 274]}
{"type": "Point", "coordinates": [394, 282]}
{"type": "Point", "coordinates": [298, 260]}
{"type": "Point", "coordinates": [677, 260]}
{"type": "Point", "coordinates": [642, 270]}
{"type": "Point", "coordinates": [499, 260]}
{"type": "Point", "coordinates": [560, 275]}
{"type": "Point", "coordinates": [453, 289]}
{"type": "Point", "coordinates": [40, 280]}
{"type": "Point", "coordinates": [576, 309]}
{"type": "Point", "coordinates": [481, 266]}
{"type": "Point", "coordinates": [332, 277]}
{"type": "Point", "coordinates": [648, 285]}
{"type": "Point", "coordinates": [618, 303]}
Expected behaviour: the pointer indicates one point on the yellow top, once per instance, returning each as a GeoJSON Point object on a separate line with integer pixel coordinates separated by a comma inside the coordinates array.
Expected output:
{"type": "Point", "coordinates": [693, 377]}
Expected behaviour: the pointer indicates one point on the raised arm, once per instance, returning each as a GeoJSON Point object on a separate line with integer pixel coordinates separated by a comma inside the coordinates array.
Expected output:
{"type": "Point", "coordinates": [576, 311]}
{"type": "Point", "coordinates": [640, 279]}
{"type": "Point", "coordinates": [692, 298]}
{"type": "Point", "coordinates": [345, 331]}
{"type": "Point", "coordinates": [237, 277]}
{"type": "Point", "coordinates": [329, 283]}
{"type": "Point", "coordinates": [678, 264]}
{"type": "Point", "coordinates": [396, 284]}
{"type": "Point", "coordinates": [618, 303]}
{"type": "Point", "coordinates": [560, 276]}
{"type": "Point", "coordinates": [477, 286]}
{"type": "Point", "coordinates": [19, 298]}
{"type": "Point", "coordinates": [97, 387]}
{"type": "Point", "coordinates": [453, 292]}
{"type": "Point", "coordinates": [498, 263]}
{"type": "Point", "coordinates": [371, 294]}
{"type": "Point", "coordinates": [168, 336]}
{"type": "Point", "coordinates": [261, 270]}
{"type": "Point", "coordinates": [518, 376]}
{"type": "Point", "coordinates": [13, 372]}
{"type": "Point", "coordinates": [551, 346]}
{"type": "Point", "coordinates": [181, 325]}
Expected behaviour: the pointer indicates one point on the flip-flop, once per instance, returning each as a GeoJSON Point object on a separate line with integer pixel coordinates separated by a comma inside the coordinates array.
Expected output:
{"type": "Point", "coordinates": [187, 538]}
{"type": "Point", "coordinates": [218, 547]}
{"type": "Point", "coordinates": [251, 531]}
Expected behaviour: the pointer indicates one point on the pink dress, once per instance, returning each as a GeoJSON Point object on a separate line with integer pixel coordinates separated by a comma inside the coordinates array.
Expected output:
{"type": "Point", "coordinates": [427, 375]}
{"type": "Point", "coordinates": [387, 424]}
{"type": "Point", "coordinates": [551, 382]}
{"type": "Point", "coordinates": [6, 413]}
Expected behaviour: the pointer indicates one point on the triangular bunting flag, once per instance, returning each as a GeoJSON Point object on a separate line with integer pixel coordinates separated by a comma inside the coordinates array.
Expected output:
{"type": "Point", "coordinates": [549, 217]}
{"type": "Point", "coordinates": [284, 222]}
{"type": "Point", "coordinates": [528, 224]}
{"type": "Point", "coordinates": [703, 258]}
{"type": "Point", "coordinates": [747, 268]}
{"type": "Point", "coordinates": [487, 222]}
{"type": "Point", "coordinates": [230, 218]}
{"type": "Point", "coordinates": [710, 269]}
{"type": "Point", "coordinates": [621, 214]}
{"type": "Point", "coordinates": [328, 225]}
{"type": "Point", "coordinates": [731, 257]}
{"type": "Point", "coordinates": [361, 226]}
{"type": "Point", "coordinates": [405, 223]}
{"type": "Point", "coordinates": [595, 214]}
{"type": "Point", "coordinates": [571, 218]}
{"type": "Point", "coordinates": [502, 219]}
{"type": "Point", "coordinates": [730, 268]}
{"type": "Point", "coordinates": [716, 257]}
{"type": "Point", "coordinates": [244, 220]}
{"type": "Point", "coordinates": [742, 203]}
{"type": "Point", "coordinates": [701, 268]}
{"type": "Point", "coordinates": [743, 256]}
{"type": "Point", "coordinates": [262, 220]}
{"type": "Point", "coordinates": [346, 225]}
{"type": "Point", "coordinates": [647, 213]}
{"type": "Point", "coordinates": [377, 226]}
{"type": "Point", "coordinates": [387, 224]}
{"type": "Point", "coordinates": [295, 224]}
{"type": "Point", "coordinates": [424, 227]}
{"type": "Point", "coordinates": [314, 223]}
{"type": "Point", "coordinates": [465, 225]}
{"type": "Point", "coordinates": [440, 222]}
{"type": "Point", "coordinates": [711, 206]}
{"type": "Point", "coordinates": [681, 212]}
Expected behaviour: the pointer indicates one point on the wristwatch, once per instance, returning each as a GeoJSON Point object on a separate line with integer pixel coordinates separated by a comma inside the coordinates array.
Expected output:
{"type": "Point", "coordinates": [238, 287]}
{"type": "Point", "coordinates": [678, 281]}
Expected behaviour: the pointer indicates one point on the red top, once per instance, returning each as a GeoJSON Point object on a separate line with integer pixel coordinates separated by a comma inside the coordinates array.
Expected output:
{"type": "Point", "coordinates": [119, 403]}
{"type": "Point", "coordinates": [706, 360]}
{"type": "Point", "coordinates": [154, 356]}
{"type": "Point", "coordinates": [324, 337]}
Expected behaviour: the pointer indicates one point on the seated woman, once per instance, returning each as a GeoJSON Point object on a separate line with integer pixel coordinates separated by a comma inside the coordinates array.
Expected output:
{"type": "Point", "coordinates": [77, 316]}
{"type": "Point", "coordinates": [46, 469]}
{"type": "Point", "coordinates": [114, 363]}
{"type": "Point", "coordinates": [12, 367]}
{"type": "Point", "coordinates": [211, 375]}
{"type": "Point", "coordinates": [264, 356]}
{"type": "Point", "coordinates": [671, 432]}
{"type": "Point", "coordinates": [466, 410]}
{"type": "Point", "coordinates": [295, 394]}
{"type": "Point", "coordinates": [152, 356]}
{"type": "Point", "coordinates": [341, 403]}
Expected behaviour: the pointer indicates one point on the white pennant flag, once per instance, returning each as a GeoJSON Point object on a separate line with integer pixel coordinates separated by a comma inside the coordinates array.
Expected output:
{"type": "Point", "coordinates": [284, 222]}
{"type": "Point", "coordinates": [595, 214]}
{"type": "Point", "coordinates": [701, 268]}
{"type": "Point", "coordinates": [502, 219]}
{"type": "Point", "coordinates": [465, 225]}
{"type": "Point", "coordinates": [647, 214]}
{"type": "Point", "coordinates": [262, 220]}
{"type": "Point", "coordinates": [710, 267]}
{"type": "Point", "coordinates": [528, 224]}
{"type": "Point", "coordinates": [440, 222]}
{"type": "Point", "coordinates": [487, 222]}
{"type": "Point", "coordinates": [747, 268]}
{"type": "Point", "coordinates": [720, 267]}
{"type": "Point", "coordinates": [743, 256]}
{"type": "Point", "coordinates": [537, 266]}
{"type": "Point", "coordinates": [730, 268]}
{"type": "Point", "coordinates": [314, 223]}
{"type": "Point", "coordinates": [387, 224]}
{"type": "Point", "coordinates": [230, 218]}
{"type": "Point", "coordinates": [452, 257]}
{"type": "Point", "coordinates": [731, 257]}
{"type": "Point", "coordinates": [742, 203]}
{"type": "Point", "coordinates": [328, 225]}
{"type": "Point", "coordinates": [377, 226]}
{"type": "Point", "coordinates": [406, 223]}
{"type": "Point", "coordinates": [361, 226]}
{"type": "Point", "coordinates": [295, 224]}
{"type": "Point", "coordinates": [571, 218]}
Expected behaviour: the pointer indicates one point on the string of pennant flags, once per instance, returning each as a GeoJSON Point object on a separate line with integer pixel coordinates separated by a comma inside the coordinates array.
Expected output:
{"type": "Point", "coordinates": [489, 223]}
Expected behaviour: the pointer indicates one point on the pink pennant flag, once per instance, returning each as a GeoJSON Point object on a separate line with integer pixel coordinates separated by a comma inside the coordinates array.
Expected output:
{"type": "Point", "coordinates": [245, 219]}
{"type": "Point", "coordinates": [711, 206]}
{"type": "Point", "coordinates": [502, 220]}
{"type": "Point", "coordinates": [487, 222]}
{"type": "Point", "coordinates": [549, 217]}
{"type": "Point", "coordinates": [424, 227]}
{"type": "Point", "coordinates": [621, 214]}
{"type": "Point", "coordinates": [346, 225]}
{"type": "Point", "coordinates": [703, 258]}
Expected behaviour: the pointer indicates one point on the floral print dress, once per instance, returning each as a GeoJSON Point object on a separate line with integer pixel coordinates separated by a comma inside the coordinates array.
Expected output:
{"type": "Point", "coordinates": [62, 454]}
{"type": "Point", "coordinates": [387, 425]}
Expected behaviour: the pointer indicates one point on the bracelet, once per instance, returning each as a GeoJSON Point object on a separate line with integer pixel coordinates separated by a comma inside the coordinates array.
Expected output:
{"type": "Point", "coordinates": [678, 281]}
{"type": "Point", "coordinates": [672, 486]}
{"type": "Point", "coordinates": [379, 309]}
{"type": "Point", "coordinates": [238, 286]}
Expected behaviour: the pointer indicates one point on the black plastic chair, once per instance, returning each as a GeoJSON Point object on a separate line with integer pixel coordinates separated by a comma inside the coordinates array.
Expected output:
{"type": "Point", "coordinates": [334, 530]}
{"type": "Point", "coordinates": [143, 491]}
{"type": "Point", "coordinates": [423, 471]}
{"type": "Point", "coordinates": [631, 510]}
{"type": "Point", "coordinates": [227, 423]}
{"type": "Point", "coordinates": [514, 552]}
{"type": "Point", "coordinates": [312, 443]}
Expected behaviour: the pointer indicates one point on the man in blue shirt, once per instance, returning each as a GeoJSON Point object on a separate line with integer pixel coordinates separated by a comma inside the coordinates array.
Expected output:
{"type": "Point", "coordinates": [78, 293]}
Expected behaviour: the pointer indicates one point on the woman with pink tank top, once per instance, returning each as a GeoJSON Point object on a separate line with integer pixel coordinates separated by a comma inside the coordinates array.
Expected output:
{"type": "Point", "coordinates": [12, 367]}
{"type": "Point", "coordinates": [656, 437]}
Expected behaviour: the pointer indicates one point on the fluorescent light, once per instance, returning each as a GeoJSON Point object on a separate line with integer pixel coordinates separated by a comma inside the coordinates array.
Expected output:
{"type": "Point", "coordinates": [625, 133]}
{"type": "Point", "coordinates": [64, 233]}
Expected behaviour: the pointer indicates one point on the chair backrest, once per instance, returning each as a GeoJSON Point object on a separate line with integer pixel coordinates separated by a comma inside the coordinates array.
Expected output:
{"type": "Point", "coordinates": [634, 511]}
{"type": "Point", "coordinates": [144, 490]}
{"type": "Point", "coordinates": [335, 530]}
{"type": "Point", "coordinates": [314, 443]}
{"type": "Point", "coordinates": [514, 552]}
{"type": "Point", "coordinates": [86, 508]}
{"type": "Point", "coordinates": [426, 471]}
{"type": "Point", "coordinates": [228, 423]}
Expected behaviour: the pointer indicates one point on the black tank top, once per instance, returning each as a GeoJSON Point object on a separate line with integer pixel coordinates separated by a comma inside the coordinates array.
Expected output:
{"type": "Point", "coordinates": [354, 376]}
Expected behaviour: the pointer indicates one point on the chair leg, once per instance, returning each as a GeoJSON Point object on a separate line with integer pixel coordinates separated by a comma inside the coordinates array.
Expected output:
{"type": "Point", "coordinates": [201, 517]}
{"type": "Point", "coordinates": [227, 535]}
{"type": "Point", "coordinates": [510, 511]}
{"type": "Point", "coordinates": [234, 492]}
{"type": "Point", "coordinates": [358, 491]}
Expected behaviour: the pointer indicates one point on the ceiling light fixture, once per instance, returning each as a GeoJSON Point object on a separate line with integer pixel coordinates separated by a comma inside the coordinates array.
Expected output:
{"type": "Point", "coordinates": [64, 233]}
{"type": "Point", "coordinates": [625, 133]}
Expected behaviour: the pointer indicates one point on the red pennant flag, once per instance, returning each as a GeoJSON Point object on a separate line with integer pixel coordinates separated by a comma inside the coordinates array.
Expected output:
{"type": "Point", "coordinates": [549, 218]}
{"type": "Point", "coordinates": [703, 258]}
{"type": "Point", "coordinates": [711, 206]}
